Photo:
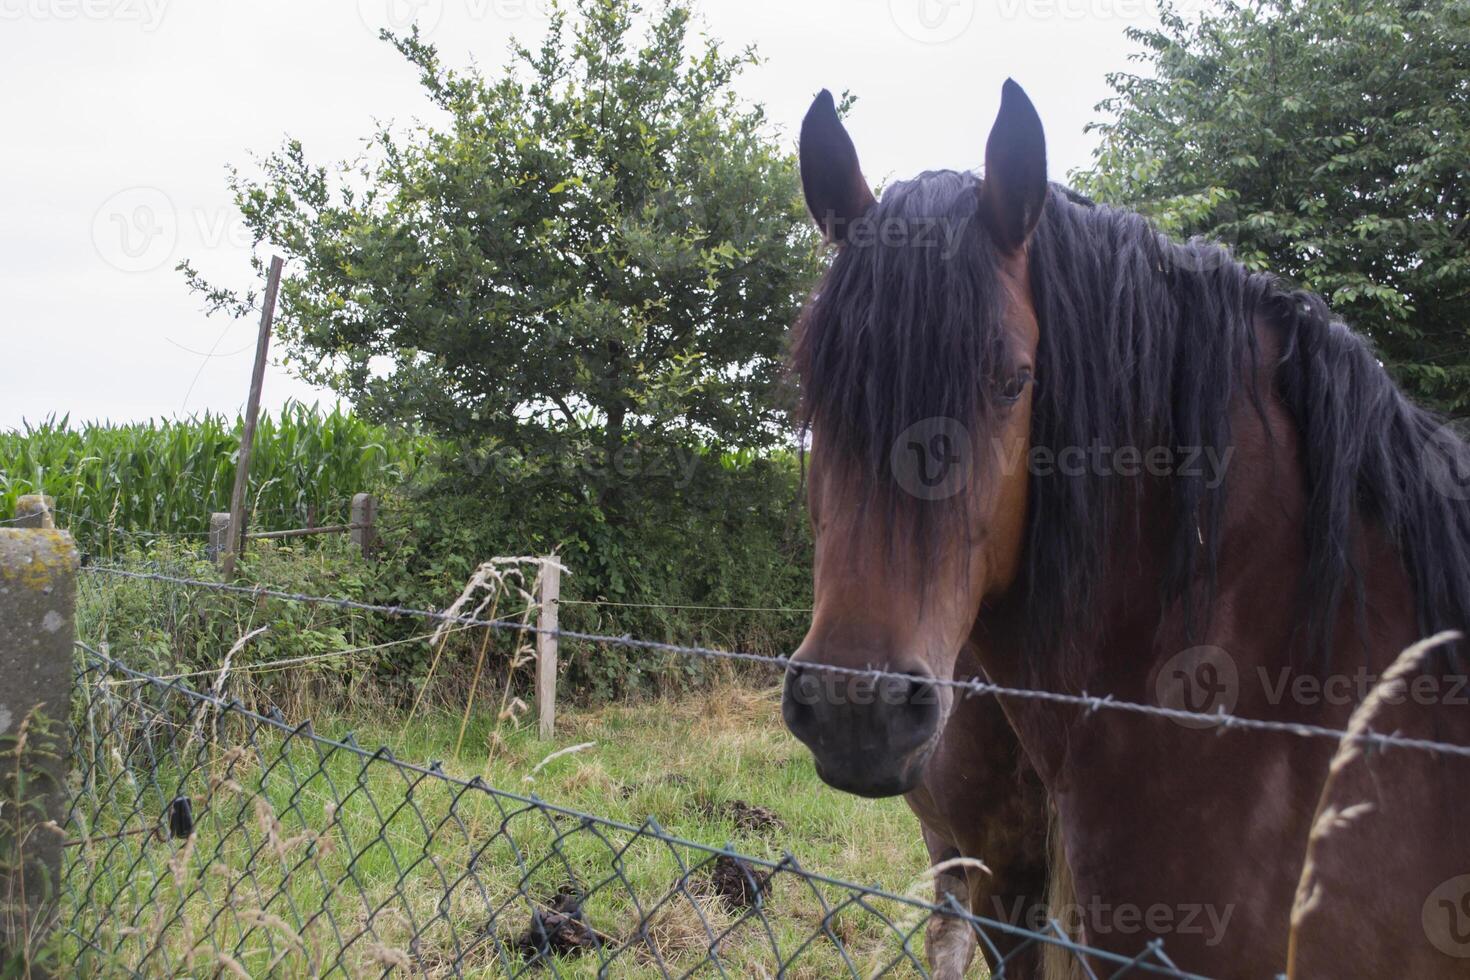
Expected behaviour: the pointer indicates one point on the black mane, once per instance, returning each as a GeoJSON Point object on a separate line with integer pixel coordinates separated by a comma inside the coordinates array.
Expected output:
{"type": "Point", "coordinates": [1144, 342]}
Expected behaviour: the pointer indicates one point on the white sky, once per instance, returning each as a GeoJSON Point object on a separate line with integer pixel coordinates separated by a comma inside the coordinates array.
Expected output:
{"type": "Point", "coordinates": [121, 115]}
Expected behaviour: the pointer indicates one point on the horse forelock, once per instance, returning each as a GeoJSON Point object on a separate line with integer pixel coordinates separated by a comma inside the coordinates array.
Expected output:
{"type": "Point", "coordinates": [904, 331]}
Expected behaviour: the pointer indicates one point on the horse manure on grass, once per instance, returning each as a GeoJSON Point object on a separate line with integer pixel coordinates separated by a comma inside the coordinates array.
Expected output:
{"type": "Point", "coordinates": [738, 884]}
{"type": "Point", "coordinates": [750, 818]}
{"type": "Point", "coordinates": [753, 818]}
{"type": "Point", "coordinates": [557, 929]}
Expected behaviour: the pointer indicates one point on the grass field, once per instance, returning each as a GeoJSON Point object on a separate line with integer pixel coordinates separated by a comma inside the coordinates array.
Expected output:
{"type": "Point", "coordinates": [306, 861]}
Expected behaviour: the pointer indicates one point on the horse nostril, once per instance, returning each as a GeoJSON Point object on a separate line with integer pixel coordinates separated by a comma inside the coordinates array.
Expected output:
{"type": "Point", "coordinates": [799, 705]}
{"type": "Point", "coordinates": [912, 709]}
{"type": "Point", "coordinates": [922, 701]}
{"type": "Point", "coordinates": [808, 688]}
{"type": "Point", "coordinates": [909, 690]}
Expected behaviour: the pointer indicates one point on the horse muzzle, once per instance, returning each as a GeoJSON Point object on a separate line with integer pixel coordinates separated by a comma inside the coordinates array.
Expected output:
{"type": "Point", "coordinates": [869, 734]}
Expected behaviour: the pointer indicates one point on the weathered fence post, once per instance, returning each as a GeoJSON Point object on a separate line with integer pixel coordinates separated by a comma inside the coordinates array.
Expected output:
{"type": "Point", "coordinates": [220, 541]}
{"type": "Point", "coordinates": [252, 413]}
{"type": "Point", "coordinates": [546, 646]}
{"type": "Point", "coordinates": [37, 628]}
{"type": "Point", "coordinates": [35, 510]}
{"type": "Point", "coordinates": [365, 519]}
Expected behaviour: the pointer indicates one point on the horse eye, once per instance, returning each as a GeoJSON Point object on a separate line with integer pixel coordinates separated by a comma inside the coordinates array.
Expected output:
{"type": "Point", "coordinates": [1015, 385]}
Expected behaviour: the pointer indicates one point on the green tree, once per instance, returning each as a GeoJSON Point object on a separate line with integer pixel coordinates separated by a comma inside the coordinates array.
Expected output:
{"type": "Point", "coordinates": [1325, 140]}
{"type": "Point", "coordinates": [587, 263]}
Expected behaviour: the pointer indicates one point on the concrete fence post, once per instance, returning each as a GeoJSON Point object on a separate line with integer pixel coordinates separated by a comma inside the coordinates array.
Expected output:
{"type": "Point", "coordinates": [35, 510]}
{"type": "Point", "coordinates": [220, 541]}
{"type": "Point", "coordinates": [365, 516]}
{"type": "Point", "coordinates": [38, 569]}
{"type": "Point", "coordinates": [546, 646]}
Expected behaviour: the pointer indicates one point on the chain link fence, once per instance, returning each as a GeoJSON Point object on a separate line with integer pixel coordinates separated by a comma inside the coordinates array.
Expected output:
{"type": "Point", "coordinates": [206, 839]}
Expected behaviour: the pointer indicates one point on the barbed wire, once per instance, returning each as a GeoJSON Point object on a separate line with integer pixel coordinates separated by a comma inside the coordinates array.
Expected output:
{"type": "Point", "coordinates": [1222, 721]}
{"type": "Point", "coordinates": [671, 605]}
{"type": "Point", "coordinates": [113, 528]}
{"type": "Point", "coordinates": [272, 666]}
{"type": "Point", "coordinates": [615, 838]}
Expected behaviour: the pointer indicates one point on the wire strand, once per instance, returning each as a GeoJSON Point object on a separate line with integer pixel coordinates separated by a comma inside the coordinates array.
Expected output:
{"type": "Point", "coordinates": [670, 605]}
{"type": "Point", "coordinates": [1223, 721]}
{"type": "Point", "coordinates": [650, 828]}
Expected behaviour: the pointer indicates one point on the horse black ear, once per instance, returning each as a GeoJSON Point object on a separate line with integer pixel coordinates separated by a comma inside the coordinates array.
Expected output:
{"type": "Point", "coordinates": [1014, 191]}
{"type": "Point", "coordinates": [836, 193]}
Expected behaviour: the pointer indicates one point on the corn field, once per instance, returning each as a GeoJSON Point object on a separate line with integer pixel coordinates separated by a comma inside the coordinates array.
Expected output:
{"type": "Point", "coordinates": [167, 476]}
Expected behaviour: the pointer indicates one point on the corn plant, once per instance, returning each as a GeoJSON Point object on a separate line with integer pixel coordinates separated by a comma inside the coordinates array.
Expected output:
{"type": "Point", "coordinates": [168, 476]}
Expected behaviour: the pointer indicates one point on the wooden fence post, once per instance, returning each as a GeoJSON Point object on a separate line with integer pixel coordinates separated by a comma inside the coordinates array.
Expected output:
{"type": "Point", "coordinates": [252, 413]}
{"type": "Point", "coordinates": [546, 646]}
{"type": "Point", "coordinates": [365, 516]}
{"type": "Point", "coordinates": [38, 584]}
{"type": "Point", "coordinates": [35, 510]}
{"type": "Point", "coordinates": [219, 537]}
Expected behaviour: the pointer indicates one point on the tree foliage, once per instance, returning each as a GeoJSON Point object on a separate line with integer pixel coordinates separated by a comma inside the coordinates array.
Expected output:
{"type": "Point", "coordinates": [1325, 140]}
{"type": "Point", "coordinates": [587, 263]}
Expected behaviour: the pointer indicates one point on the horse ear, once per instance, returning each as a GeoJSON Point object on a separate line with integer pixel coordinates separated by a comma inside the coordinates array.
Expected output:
{"type": "Point", "coordinates": [1014, 190]}
{"type": "Point", "coordinates": [836, 193]}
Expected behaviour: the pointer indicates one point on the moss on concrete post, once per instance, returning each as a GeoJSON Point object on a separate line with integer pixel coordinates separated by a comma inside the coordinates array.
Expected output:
{"type": "Point", "coordinates": [38, 569]}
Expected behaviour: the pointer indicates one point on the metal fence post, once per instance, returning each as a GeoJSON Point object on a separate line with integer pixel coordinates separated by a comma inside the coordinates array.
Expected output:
{"type": "Point", "coordinates": [35, 510]}
{"type": "Point", "coordinates": [38, 570]}
{"type": "Point", "coordinates": [365, 517]}
{"type": "Point", "coordinates": [546, 646]}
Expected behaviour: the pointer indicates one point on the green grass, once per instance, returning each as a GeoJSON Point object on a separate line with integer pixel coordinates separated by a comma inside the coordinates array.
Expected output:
{"type": "Point", "coordinates": [285, 831]}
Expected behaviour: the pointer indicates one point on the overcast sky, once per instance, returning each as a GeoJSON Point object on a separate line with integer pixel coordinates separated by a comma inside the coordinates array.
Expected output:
{"type": "Point", "coordinates": [120, 117]}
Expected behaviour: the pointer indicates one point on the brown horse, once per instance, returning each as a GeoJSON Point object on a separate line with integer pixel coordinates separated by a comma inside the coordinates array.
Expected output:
{"type": "Point", "coordinates": [980, 798]}
{"type": "Point", "coordinates": [1109, 463]}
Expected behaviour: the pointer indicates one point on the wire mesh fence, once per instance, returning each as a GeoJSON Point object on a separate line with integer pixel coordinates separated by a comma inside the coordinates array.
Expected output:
{"type": "Point", "coordinates": [207, 839]}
